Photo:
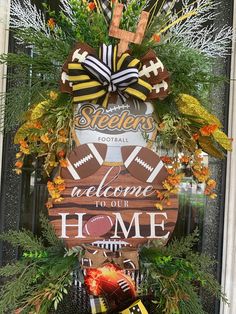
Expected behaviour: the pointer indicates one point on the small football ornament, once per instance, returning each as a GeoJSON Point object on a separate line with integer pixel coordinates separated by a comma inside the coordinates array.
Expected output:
{"type": "Point", "coordinates": [84, 161]}
{"type": "Point", "coordinates": [111, 282]}
{"type": "Point", "coordinates": [144, 164]}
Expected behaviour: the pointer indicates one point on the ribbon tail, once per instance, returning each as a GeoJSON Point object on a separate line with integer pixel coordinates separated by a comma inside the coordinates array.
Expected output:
{"type": "Point", "coordinates": [140, 90]}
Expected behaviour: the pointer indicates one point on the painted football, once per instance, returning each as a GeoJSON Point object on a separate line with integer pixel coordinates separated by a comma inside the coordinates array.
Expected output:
{"type": "Point", "coordinates": [84, 161]}
{"type": "Point", "coordinates": [154, 71]}
{"type": "Point", "coordinates": [144, 164]}
{"type": "Point", "coordinates": [111, 282]}
{"type": "Point", "coordinates": [98, 226]}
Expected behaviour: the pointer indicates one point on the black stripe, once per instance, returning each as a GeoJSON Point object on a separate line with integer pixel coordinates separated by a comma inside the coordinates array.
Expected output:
{"type": "Point", "coordinates": [87, 91]}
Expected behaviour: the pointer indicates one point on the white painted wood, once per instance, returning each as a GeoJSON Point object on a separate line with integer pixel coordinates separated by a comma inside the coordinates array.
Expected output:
{"type": "Point", "coordinates": [4, 37]}
{"type": "Point", "coordinates": [229, 244]}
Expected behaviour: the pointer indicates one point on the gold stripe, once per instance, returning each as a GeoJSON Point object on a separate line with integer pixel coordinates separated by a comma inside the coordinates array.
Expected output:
{"type": "Point", "coordinates": [75, 66]}
{"type": "Point", "coordinates": [145, 84]}
{"type": "Point", "coordinates": [115, 58]}
{"type": "Point", "coordinates": [89, 97]}
{"type": "Point", "coordinates": [86, 85]}
{"type": "Point", "coordinates": [78, 78]}
{"type": "Point", "coordinates": [121, 60]}
{"type": "Point", "coordinates": [136, 93]}
{"type": "Point", "coordinates": [133, 63]}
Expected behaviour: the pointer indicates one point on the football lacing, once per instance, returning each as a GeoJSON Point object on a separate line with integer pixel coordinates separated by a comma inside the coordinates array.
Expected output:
{"type": "Point", "coordinates": [144, 164]}
{"type": "Point", "coordinates": [119, 107]}
{"type": "Point", "coordinates": [83, 160]}
{"type": "Point", "coordinates": [153, 67]}
{"type": "Point", "coordinates": [158, 87]}
{"type": "Point", "coordinates": [124, 285]}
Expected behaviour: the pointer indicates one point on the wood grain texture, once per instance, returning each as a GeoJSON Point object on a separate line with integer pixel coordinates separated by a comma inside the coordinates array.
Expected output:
{"type": "Point", "coordinates": [127, 37]}
{"type": "Point", "coordinates": [110, 201]}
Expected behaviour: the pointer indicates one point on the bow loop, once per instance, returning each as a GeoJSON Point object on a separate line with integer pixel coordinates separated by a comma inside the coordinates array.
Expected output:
{"type": "Point", "coordinates": [126, 258]}
{"type": "Point", "coordinates": [93, 78]}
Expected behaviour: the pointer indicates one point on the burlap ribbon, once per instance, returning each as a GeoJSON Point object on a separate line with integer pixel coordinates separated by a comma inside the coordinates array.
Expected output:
{"type": "Point", "coordinates": [93, 78]}
{"type": "Point", "coordinates": [125, 258]}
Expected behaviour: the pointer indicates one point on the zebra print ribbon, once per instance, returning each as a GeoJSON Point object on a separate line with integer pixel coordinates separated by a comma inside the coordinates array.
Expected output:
{"type": "Point", "coordinates": [95, 78]}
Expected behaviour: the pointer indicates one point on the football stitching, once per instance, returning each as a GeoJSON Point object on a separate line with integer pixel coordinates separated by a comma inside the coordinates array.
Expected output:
{"type": "Point", "coordinates": [118, 108]}
{"type": "Point", "coordinates": [157, 87]}
{"type": "Point", "coordinates": [83, 161]}
{"type": "Point", "coordinates": [124, 285]}
{"type": "Point", "coordinates": [144, 164]}
{"type": "Point", "coordinates": [153, 67]}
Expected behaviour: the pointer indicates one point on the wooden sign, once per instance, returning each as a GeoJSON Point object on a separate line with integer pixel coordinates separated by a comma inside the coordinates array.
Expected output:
{"type": "Point", "coordinates": [112, 208]}
{"type": "Point", "coordinates": [119, 125]}
{"type": "Point", "coordinates": [127, 37]}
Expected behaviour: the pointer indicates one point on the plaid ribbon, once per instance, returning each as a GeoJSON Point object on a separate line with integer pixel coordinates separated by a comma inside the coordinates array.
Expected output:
{"type": "Point", "coordinates": [104, 6]}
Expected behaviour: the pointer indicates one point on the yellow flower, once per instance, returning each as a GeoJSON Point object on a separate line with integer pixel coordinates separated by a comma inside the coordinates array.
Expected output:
{"type": "Point", "coordinates": [211, 183]}
{"type": "Point", "coordinates": [55, 194]}
{"type": "Point", "coordinates": [26, 151]}
{"type": "Point", "coordinates": [58, 180]}
{"type": "Point", "coordinates": [45, 139]}
{"type": "Point", "coordinates": [58, 200]}
{"type": "Point", "coordinates": [18, 171]}
{"type": "Point", "coordinates": [53, 95]}
{"type": "Point", "coordinates": [18, 155]}
{"type": "Point", "coordinates": [53, 163]}
{"type": "Point", "coordinates": [159, 206]}
{"type": "Point", "coordinates": [51, 23]}
{"type": "Point", "coordinates": [213, 196]}
{"type": "Point", "coordinates": [62, 139]}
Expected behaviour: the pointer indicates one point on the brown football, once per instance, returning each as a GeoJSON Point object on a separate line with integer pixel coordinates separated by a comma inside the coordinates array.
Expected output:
{"type": "Point", "coordinates": [84, 161]}
{"type": "Point", "coordinates": [98, 225]}
{"type": "Point", "coordinates": [144, 164]}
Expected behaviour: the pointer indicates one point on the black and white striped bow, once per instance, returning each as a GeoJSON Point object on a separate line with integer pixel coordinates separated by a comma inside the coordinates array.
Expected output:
{"type": "Point", "coordinates": [106, 72]}
{"type": "Point", "coordinates": [96, 77]}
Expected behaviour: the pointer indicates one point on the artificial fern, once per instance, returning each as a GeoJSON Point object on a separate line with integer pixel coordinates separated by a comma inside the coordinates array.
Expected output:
{"type": "Point", "coordinates": [24, 239]}
{"type": "Point", "coordinates": [173, 275]}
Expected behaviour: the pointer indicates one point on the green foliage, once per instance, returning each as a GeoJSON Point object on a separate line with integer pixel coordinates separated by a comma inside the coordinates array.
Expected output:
{"type": "Point", "coordinates": [131, 14]}
{"type": "Point", "coordinates": [87, 26]}
{"type": "Point", "coordinates": [25, 239]}
{"type": "Point", "coordinates": [173, 273]}
{"type": "Point", "coordinates": [42, 276]}
{"type": "Point", "coordinates": [48, 233]}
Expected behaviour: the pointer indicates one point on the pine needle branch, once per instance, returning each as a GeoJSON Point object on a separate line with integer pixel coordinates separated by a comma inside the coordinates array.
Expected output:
{"type": "Point", "coordinates": [24, 239]}
{"type": "Point", "coordinates": [48, 232]}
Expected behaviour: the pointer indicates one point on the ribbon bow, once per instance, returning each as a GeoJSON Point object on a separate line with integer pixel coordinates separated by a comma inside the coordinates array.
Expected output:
{"type": "Point", "coordinates": [89, 77]}
{"type": "Point", "coordinates": [95, 257]}
{"type": "Point", "coordinates": [95, 78]}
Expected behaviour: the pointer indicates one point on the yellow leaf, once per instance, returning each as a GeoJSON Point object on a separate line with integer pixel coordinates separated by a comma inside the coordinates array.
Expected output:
{"type": "Point", "coordinates": [21, 133]}
{"type": "Point", "coordinates": [208, 147]}
{"type": "Point", "coordinates": [223, 140]}
{"type": "Point", "coordinates": [191, 106]}
{"type": "Point", "coordinates": [38, 110]}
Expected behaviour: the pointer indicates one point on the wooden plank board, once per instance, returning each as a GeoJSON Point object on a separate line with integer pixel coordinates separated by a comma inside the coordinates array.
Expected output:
{"type": "Point", "coordinates": [114, 204]}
